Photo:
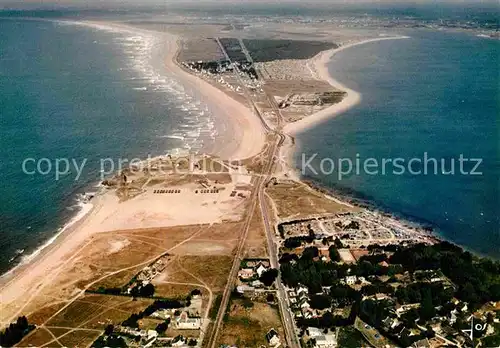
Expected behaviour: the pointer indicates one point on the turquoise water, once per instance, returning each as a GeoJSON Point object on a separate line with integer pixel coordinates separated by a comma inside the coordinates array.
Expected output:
{"type": "Point", "coordinates": [75, 92]}
{"type": "Point", "coordinates": [437, 93]}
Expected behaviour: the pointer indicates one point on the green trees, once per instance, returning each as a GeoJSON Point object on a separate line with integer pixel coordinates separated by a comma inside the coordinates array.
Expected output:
{"type": "Point", "coordinates": [269, 276]}
{"type": "Point", "coordinates": [162, 327]}
{"type": "Point", "coordinates": [477, 279]}
{"type": "Point", "coordinates": [334, 254]}
{"type": "Point", "coordinates": [147, 290]}
{"type": "Point", "coordinates": [109, 329]}
{"type": "Point", "coordinates": [15, 332]}
{"type": "Point", "coordinates": [310, 252]}
{"type": "Point", "coordinates": [320, 301]}
{"type": "Point", "coordinates": [110, 341]}
{"type": "Point", "coordinates": [427, 310]}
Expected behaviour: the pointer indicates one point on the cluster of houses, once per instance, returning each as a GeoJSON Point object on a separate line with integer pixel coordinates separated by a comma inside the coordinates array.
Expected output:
{"type": "Point", "coordinates": [220, 67]}
{"type": "Point", "coordinates": [319, 339]}
{"type": "Point", "coordinates": [187, 318]}
{"type": "Point", "coordinates": [299, 302]}
{"type": "Point", "coordinates": [147, 274]}
{"type": "Point", "coordinates": [249, 275]}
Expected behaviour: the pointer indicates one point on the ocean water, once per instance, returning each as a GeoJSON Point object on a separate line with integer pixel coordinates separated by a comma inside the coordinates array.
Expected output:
{"type": "Point", "coordinates": [81, 93]}
{"type": "Point", "coordinates": [436, 93]}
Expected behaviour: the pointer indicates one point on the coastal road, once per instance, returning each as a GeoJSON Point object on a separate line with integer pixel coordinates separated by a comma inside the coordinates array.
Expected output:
{"type": "Point", "coordinates": [233, 274]}
{"type": "Point", "coordinates": [282, 297]}
{"type": "Point", "coordinates": [258, 196]}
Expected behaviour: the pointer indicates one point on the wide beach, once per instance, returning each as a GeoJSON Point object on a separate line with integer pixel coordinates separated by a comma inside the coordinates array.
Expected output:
{"type": "Point", "coordinates": [242, 137]}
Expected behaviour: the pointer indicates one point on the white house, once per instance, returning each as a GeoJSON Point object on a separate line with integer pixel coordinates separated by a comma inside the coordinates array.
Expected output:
{"type": "Point", "coordinates": [186, 323]}
{"type": "Point", "coordinates": [261, 269]}
{"type": "Point", "coordinates": [326, 341]}
{"type": "Point", "coordinates": [305, 305]}
{"type": "Point", "coordinates": [273, 338]}
{"type": "Point", "coordinates": [314, 332]}
{"type": "Point", "coordinates": [350, 280]}
{"type": "Point", "coordinates": [152, 335]}
{"type": "Point", "coordinates": [179, 343]}
{"type": "Point", "coordinates": [246, 273]}
{"type": "Point", "coordinates": [302, 290]}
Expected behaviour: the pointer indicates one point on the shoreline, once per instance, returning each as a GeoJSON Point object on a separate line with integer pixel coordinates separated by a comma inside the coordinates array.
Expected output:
{"type": "Point", "coordinates": [251, 145]}
{"type": "Point", "coordinates": [290, 148]}
{"type": "Point", "coordinates": [320, 69]}
{"type": "Point", "coordinates": [247, 139]}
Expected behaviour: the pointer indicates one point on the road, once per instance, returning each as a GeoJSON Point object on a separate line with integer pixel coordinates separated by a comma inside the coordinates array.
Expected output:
{"type": "Point", "coordinates": [258, 196]}
{"type": "Point", "coordinates": [282, 297]}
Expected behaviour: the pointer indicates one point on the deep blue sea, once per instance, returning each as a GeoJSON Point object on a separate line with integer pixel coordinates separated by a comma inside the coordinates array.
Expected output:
{"type": "Point", "coordinates": [436, 93]}
{"type": "Point", "coordinates": [81, 93]}
{"type": "Point", "coordinates": [69, 91]}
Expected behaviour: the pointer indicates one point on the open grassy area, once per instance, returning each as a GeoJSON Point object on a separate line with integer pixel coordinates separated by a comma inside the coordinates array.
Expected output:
{"type": "Point", "coordinates": [256, 243]}
{"type": "Point", "coordinates": [42, 314]}
{"type": "Point", "coordinates": [37, 338]}
{"type": "Point", "coordinates": [265, 50]}
{"type": "Point", "coordinates": [213, 270]}
{"type": "Point", "coordinates": [200, 49]}
{"type": "Point", "coordinates": [79, 338]}
{"type": "Point", "coordinates": [174, 290]}
{"type": "Point", "coordinates": [76, 314]}
{"type": "Point", "coordinates": [372, 335]}
{"type": "Point", "coordinates": [295, 200]}
{"type": "Point", "coordinates": [349, 337]}
{"type": "Point", "coordinates": [246, 326]}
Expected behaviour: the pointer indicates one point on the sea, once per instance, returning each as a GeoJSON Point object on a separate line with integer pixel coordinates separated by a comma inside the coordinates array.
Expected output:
{"type": "Point", "coordinates": [432, 97]}
{"type": "Point", "coordinates": [90, 96]}
{"type": "Point", "coordinates": [88, 93]}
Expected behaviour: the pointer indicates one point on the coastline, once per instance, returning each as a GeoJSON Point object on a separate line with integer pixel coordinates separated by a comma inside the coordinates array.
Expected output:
{"type": "Point", "coordinates": [244, 138]}
{"type": "Point", "coordinates": [320, 69]}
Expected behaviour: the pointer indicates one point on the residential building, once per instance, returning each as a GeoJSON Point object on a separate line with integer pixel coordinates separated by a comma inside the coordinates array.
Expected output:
{"type": "Point", "coordinates": [350, 280]}
{"type": "Point", "coordinates": [184, 322]}
{"type": "Point", "coordinates": [261, 269]}
{"type": "Point", "coordinates": [326, 341]}
{"type": "Point", "coordinates": [273, 338]}
{"type": "Point", "coordinates": [246, 273]}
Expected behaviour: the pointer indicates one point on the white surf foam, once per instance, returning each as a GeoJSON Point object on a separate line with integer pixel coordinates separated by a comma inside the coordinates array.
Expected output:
{"type": "Point", "coordinates": [84, 207]}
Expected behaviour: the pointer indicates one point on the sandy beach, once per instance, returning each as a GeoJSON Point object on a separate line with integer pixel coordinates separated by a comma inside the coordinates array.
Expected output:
{"type": "Point", "coordinates": [243, 137]}
{"type": "Point", "coordinates": [319, 67]}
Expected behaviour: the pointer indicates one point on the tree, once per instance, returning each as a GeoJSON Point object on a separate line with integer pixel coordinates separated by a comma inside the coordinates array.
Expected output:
{"type": "Point", "coordinates": [327, 320]}
{"type": "Point", "coordinates": [269, 276]}
{"type": "Point", "coordinates": [334, 254]}
{"type": "Point", "coordinates": [270, 298]}
{"type": "Point", "coordinates": [109, 329]}
{"type": "Point", "coordinates": [15, 332]}
{"type": "Point", "coordinates": [320, 301]}
{"type": "Point", "coordinates": [162, 327]}
{"type": "Point", "coordinates": [196, 292]}
{"type": "Point", "coordinates": [286, 257]}
{"type": "Point", "coordinates": [427, 310]}
{"type": "Point", "coordinates": [148, 290]}
{"type": "Point", "coordinates": [310, 253]}
{"type": "Point", "coordinates": [115, 341]}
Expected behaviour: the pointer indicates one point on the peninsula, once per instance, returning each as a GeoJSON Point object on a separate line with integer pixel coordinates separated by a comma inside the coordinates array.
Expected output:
{"type": "Point", "coordinates": [229, 247]}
